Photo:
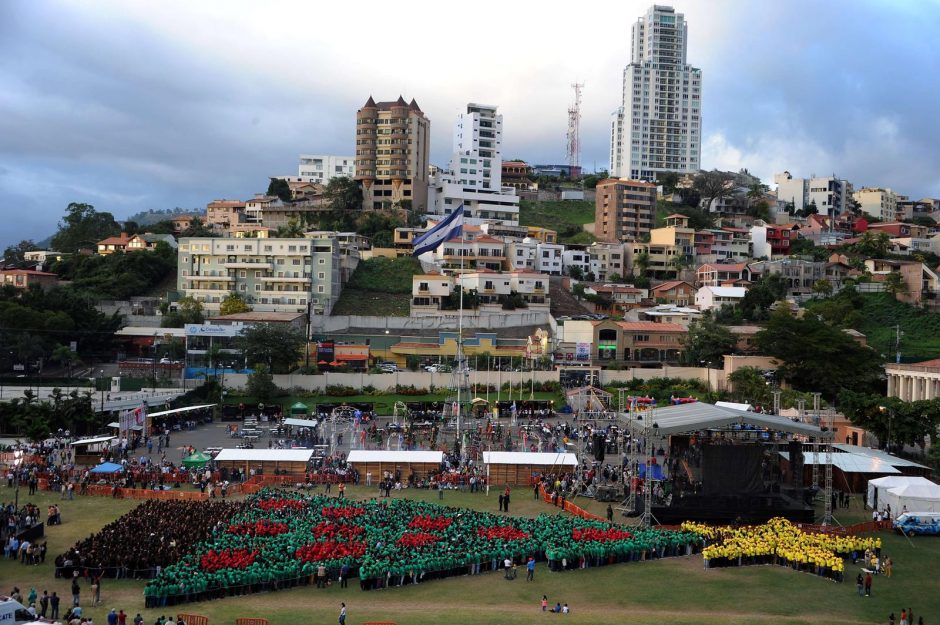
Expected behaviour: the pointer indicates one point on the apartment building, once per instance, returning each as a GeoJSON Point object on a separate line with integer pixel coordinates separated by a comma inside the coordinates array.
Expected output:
{"type": "Point", "coordinates": [624, 209]}
{"type": "Point", "coordinates": [392, 147]}
{"type": "Point", "coordinates": [657, 127]}
{"type": "Point", "coordinates": [877, 202]}
{"type": "Point", "coordinates": [772, 240]}
{"type": "Point", "coordinates": [462, 254]}
{"type": "Point", "coordinates": [223, 214]}
{"type": "Point", "coordinates": [321, 168]}
{"type": "Point", "coordinates": [607, 259]}
{"type": "Point", "coordinates": [273, 275]}
{"type": "Point", "coordinates": [474, 178]}
{"type": "Point", "coordinates": [516, 175]}
{"type": "Point", "coordinates": [548, 258]}
{"type": "Point", "coordinates": [723, 274]}
{"type": "Point", "coordinates": [670, 248]}
{"type": "Point", "coordinates": [430, 292]}
{"type": "Point", "coordinates": [830, 194]}
{"type": "Point", "coordinates": [799, 274]}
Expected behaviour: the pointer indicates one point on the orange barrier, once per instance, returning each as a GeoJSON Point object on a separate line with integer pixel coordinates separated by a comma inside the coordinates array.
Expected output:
{"type": "Point", "coordinates": [193, 619]}
{"type": "Point", "coordinates": [99, 490]}
{"type": "Point", "coordinates": [251, 621]}
{"type": "Point", "coordinates": [570, 507]}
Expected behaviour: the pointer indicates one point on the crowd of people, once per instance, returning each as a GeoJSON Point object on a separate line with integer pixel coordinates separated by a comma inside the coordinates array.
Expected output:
{"type": "Point", "coordinates": [781, 542]}
{"type": "Point", "coordinates": [153, 535]}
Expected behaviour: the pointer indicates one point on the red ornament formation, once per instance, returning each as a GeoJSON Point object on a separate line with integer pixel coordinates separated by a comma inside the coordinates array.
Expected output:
{"type": "Point", "coordinates": [580, 534]}
{"type": "Point", "coordinates": [213, 560]}
{"type": "Point", "coordinates": [502, 532]}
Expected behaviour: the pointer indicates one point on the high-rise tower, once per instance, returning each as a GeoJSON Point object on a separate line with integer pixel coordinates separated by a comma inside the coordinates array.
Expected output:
{"type": "Point", "coordinates": [658, 127]}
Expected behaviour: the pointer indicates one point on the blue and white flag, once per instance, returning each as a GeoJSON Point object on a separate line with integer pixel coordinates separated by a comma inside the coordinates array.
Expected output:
{"type": "Point", "coordinates": [448, 228]}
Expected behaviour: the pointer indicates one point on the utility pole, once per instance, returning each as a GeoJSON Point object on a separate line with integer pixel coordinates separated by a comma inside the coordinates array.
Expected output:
{"type": "Point", "coordinates": [897, 344]}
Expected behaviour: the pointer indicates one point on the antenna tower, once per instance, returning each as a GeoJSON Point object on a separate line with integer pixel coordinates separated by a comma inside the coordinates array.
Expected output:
{"type": "Point", "coordinates": [574, 131]}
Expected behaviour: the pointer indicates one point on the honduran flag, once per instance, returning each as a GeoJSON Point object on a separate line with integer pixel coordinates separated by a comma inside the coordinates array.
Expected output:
{"type": "Point", "coordinates": [448, 228]}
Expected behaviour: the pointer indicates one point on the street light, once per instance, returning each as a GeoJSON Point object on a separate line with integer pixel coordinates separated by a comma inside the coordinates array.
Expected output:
{"type": "Point", "coordinates": [17, 461]}
{"type": "Point", "coordinates": [101, 375]}
{"type": "Point", "coordinates": [890, 413]}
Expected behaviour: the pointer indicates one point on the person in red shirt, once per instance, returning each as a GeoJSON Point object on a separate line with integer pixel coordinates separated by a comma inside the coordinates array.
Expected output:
{"type": "Point", "coordinates": [122, 618]}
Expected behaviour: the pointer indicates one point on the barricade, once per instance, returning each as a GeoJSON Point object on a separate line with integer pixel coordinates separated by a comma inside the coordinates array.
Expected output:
{"type": "Point", "coordinates": [570, 507]}
{"type": "Point", "coordinates": [193, 619]}
{"type": "Point", "coordinates": [251, 621]}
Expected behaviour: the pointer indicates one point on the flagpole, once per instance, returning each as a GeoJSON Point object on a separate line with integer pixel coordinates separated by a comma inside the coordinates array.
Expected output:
{"type": "Point", "coordinates": [460, 371]}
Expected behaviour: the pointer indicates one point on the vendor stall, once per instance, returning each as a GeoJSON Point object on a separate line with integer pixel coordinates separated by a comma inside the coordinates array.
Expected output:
{"type": "Point", "coordinates": [517, 468]}
{"type": "Point", "coordinates": [196, 461]}
{"type": "Point", "coordinates": [266, 461]}
{"type": "Point", "coordinates": [89, 451]}
{"type": "Point", "coordinates": [397, 463]}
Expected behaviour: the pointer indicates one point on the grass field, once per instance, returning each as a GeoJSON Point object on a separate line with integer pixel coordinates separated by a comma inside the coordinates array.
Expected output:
{"type": "Point", "coordinates": [675, 591]}
{"type": "Point", "coordinates": [374, 303]}
{"type": "Point", "coordinates": [566, 218]}
{"type": "Point", "coordinates": [379, 286]}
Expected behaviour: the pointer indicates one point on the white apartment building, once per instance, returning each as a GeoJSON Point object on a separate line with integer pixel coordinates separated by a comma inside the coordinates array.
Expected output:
{"type": "Point", "coordinates": [607, 259]}
{"type": "Point", "coordinates": [831, 194]}
{"type": "Point", "coordinates": [522, 255]}
{"type": "Point", "coordinates": [474, 177]}
{"type": "Point", "coordinates": [879, 203]}
{"type": "Point", "coordinates": [548, 258]}
{"type": "Point", "coordinates": [709, 297]}
{"type": "Point", "coordinates": [273, 275]}
{"type": "Point", "coordinates": [576, 258]}
{"type": "Point", "coordinates": [321, 168]}
{"type": "Point", "coordinates": [658, 126]}
{"type": "Point", "coordinates": [430, 291]}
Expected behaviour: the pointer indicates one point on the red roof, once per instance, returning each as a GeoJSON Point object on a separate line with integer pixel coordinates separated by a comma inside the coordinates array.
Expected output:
{"type": "Point", "coordinates": [929, 363]}
{"type": "Point", "coordinates": [120, 240]}
{"type": "Point", "coordinates": [651, 326]}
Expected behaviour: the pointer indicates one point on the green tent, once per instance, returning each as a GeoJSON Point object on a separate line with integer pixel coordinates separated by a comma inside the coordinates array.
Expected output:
{"type": "Point", "coordinates": [299, 409]}
{"type": "Point", "coordinates": [196, 461]}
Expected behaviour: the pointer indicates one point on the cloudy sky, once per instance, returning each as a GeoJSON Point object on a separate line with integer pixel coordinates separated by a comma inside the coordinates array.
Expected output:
{"type": "Point", "coordinates": [137, 105]}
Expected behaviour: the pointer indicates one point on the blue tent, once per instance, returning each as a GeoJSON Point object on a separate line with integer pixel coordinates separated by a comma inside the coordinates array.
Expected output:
{"type": "Point", "coordinates": [657, 471]}
{"type": "Point", "coordinates": [107, 467]}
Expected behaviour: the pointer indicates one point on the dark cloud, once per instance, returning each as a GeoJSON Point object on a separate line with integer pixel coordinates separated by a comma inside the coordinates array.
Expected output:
{"type": "Point", "coordinates": [131, 106]}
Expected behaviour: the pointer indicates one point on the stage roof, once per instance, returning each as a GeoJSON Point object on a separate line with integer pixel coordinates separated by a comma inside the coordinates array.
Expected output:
{"type": "Point", "coordinates": [92, 441]}
{"type": "Point", "coordinates": [525, 457]}
{"type": "Point", "coordinates": [894, 461]}
{"type": "Point", "coordinates": [265, 455]}
{"type": "Point", "coordinates": [848, 463]}
{"type": "Point", "coordinates": [381, 455]}
{"type": "Point", "coordinates": [685, 418]}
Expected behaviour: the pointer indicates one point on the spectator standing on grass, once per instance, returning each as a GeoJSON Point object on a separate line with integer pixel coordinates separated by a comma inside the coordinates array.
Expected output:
{"type": "Point", "coordinates": [868, 584]}
{"type": "Point", "coordinates": [76, 592]}
{"type": "Point", "coordinates": [54, 606]}
{"type": "Point", "coordinates": [544, 603]}
{"type": "Point", "coordinates": [342, 614]}
{"type": "Point", "coordinates": [112, 617]}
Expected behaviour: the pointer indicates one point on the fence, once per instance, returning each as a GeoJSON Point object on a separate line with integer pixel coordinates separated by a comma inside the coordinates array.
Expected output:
{"type": "Point", "coordinates": [567, 506]}
{"type": "Point", "coordinates": [342, 323]}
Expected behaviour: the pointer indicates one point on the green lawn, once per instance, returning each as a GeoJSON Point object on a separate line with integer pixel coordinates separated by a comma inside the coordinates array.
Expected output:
{"type": "Point", "coordinates": [675, 591]}
{"type": "Point", "coordinates": [566, 218]}
{"type": "Point", "coordinates": [372, 303]}
{"type": "Point", "coordinates": [921, 330]}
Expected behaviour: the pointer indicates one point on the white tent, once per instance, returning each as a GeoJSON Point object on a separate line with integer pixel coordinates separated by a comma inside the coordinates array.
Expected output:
{"type": "Point", "coordinates": [914, 497]}
{"type": "Point", "coordinates": [877, 489]}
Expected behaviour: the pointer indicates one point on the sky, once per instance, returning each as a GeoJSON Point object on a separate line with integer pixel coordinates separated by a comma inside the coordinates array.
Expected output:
{"type": "Point", "coordinates": [132, 105]}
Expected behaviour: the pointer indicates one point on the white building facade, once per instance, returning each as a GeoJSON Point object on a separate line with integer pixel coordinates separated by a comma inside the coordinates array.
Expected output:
{"type": "Point", "coordinates": [474, 178]}
{"type": "Point", "coordinates": [321, 168]}
{"type": "Point", "coordinates": [830, 194]}
{"type": "Point", "coordinates": [658, 126]}
{"type": "Point", "coordinates": [879, 203]}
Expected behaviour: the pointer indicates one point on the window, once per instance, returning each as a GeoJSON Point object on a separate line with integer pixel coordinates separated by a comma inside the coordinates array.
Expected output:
{"type": "Point", "coordinates": [321, 289]}
{"type": "Point", "coordinates": [242, 274]}
{"type": "Point", "coordinates": [321, 275]}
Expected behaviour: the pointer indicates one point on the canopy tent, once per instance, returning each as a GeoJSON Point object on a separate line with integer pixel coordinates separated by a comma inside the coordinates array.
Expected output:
{"type": "Point", "coordinates": [479, 401]}
{"type": "Point", "coordinates": [107, 467]}
{"type": "Point", "coordinates": [172, 411]}
{"type": "Point", "coordinates": [689, 418]}
{"type": "Point", "coordinates": [300, 408]}
{"type": "Point", "coordinates": [300, 423]}
{"type": "Point", "coordinates": [913, 497]}
{"type": "Point", "coordinates": [894, 461]}
{"type": "Point", "coordinates": [92, 441]}
{"type": "Point", "coordinates": [196, 461]}
{"type": "Point", "coordinates": [733, 405]}
{"type": "Point", "coordinates": [878, 489]}
{"type": "Point", "coordinates": [588, 399]}
{"type": "Point", "coordinates": [114, 425]}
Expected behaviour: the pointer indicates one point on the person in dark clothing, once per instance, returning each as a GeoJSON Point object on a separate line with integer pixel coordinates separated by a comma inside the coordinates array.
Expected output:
{"type": "Point", "coordinates": [44, 603]}
{"type": "Point", "coordinates": [610, 514]}
{"type": "Point", "coordinates": [506, 500]}
{"type": "Point", "coordinates": [500, 502]}
{"type": "Point", "coordinates": [54, 606]}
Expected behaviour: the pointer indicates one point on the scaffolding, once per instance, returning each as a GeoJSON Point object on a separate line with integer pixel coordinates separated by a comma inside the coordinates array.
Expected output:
{"type": "Point", "coordinates": [574, 131]}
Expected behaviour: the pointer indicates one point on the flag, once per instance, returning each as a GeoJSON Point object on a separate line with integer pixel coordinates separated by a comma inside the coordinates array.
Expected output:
{"type": "Point", "coordinates": [450, 227]}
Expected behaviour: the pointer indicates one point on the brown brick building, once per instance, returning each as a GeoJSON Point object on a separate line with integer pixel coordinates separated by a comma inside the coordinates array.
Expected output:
{"type": "Point", "coordinates": [624, 209]}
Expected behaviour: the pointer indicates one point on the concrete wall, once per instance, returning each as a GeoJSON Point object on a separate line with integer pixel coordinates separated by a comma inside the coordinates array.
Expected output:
{"type": "Point", "coordinates": [448, 321]}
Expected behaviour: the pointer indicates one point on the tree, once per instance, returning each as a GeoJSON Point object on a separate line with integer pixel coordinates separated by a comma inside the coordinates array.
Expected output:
{"type": "Point", "coordinates": [576, 272]}
{"type": "Point", "coordinates": [750, 386]}
{"type": "Point", "coordinates": [873, 244]}
{"type": "Point", "coordinates": [188, 310]}
{"type": "Point", "coordinates": [759, 210]}
{"type": "Point", "coordinates": [233, 304]}
{"type": "Point", "coordinates": [278, 346]}
{"type": "Point", "coordinates": [261, 384]}
{"type": "Point", "coordinates": [343, 194]}
{"type": "Point", "coordinates": [16, 254]}
{"type": "Point", "coordinates": [293, 230]}
{"type": "Point", "coordinates": [279, 188]}
{"type": "Point", "coordinates": [83, 227]}
{"type": "Point", "coordinates": [198, 228]}
{"type": "Point", "coordinates": [707, 342]}
{"type": "Point", "coordinates": [815, 356]}
{"type": "Point", "coordinates": [713, 185]}
{"type": "Point", "coordinates": [768, 290]}
{"type": "Point", "coordinates": [669, 181]}
{"type": "Point", "coordinates": [810, 209]}
{"type": "Point", "coordinates": [822, 287]}
{"type": "Point", "coordinates": [642, 261]}
{"type": "Point", "coordinates": [894, 283]}
{"type": "Point", "coordinates": [890, 419]}
{"type": "Point", "coordinates": [65, 357]}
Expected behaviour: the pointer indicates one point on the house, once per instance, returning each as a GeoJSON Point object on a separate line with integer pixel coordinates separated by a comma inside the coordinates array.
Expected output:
{"type": "Point", "coordinates": [920, 284]}
{"type": "Point", "coordinates": [709, 297]}
{"type": "Point", "coordinates": [223, 214]}
{"type": "Point", "coordinates": [182, 223]}
{"type": "Point", "coordinates": [800, 275]}
{"type": "Point", "coordinates": [723, 274]}
{"type": "Point", "coordinates": [769, 240]}
{"type": "Point", "coordinates": [28, 278]}
{"type": "Point", "coordinates": [620, 343]}
{"type": "Point", "coordinates": [149, 241]}
{"type": "Point", "coordinates": [482, 252]}
{"type": "Point", "coordinates": [113, 244]}
{"type": "Point", "coordinates": [675, 292]}
{"type": "Point", "coordinates": [428, 292]}
{"type": "Point", "coordinates": [667, 313]}
{"type": "Point", "coordinates": [744, 335]}
{"type": "Point", "coordinates": [622, 297]}
{"type": "Point", "coordinates": [896, 229]}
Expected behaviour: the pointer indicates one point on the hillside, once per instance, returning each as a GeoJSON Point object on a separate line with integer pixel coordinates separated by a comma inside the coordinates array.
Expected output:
{"type": "Point", "coordinates": [567, 218]}
{"type": "Point", "coordinates": [379, 286]}
{"type": "Point", "coordinates": [876, 314]}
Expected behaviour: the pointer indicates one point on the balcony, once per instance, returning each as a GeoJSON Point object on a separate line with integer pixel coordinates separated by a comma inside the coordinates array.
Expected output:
{"type": "Point", "coordinates": [286, 279]}
{"type": "Point", "coordinates": [249, 265]}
